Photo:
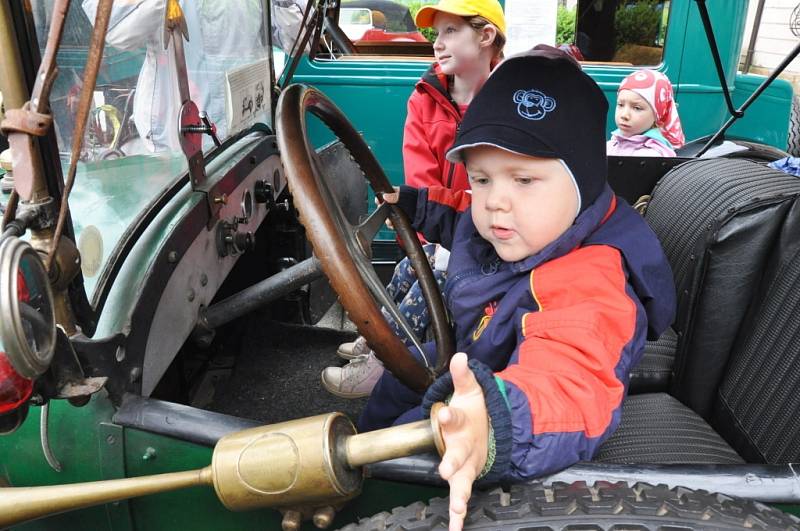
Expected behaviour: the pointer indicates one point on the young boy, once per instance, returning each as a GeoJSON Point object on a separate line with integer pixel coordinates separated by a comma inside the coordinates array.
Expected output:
{"type": "Point", "coordinates": [554, 283]}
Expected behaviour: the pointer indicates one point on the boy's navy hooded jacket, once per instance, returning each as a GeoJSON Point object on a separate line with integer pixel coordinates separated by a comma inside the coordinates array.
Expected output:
{"type": "Point", "coordinates": [551, 338]}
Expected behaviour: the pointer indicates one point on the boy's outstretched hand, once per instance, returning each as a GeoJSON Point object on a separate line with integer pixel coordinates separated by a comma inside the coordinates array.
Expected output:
{"type": "Point", "coordinates": [465, 428]}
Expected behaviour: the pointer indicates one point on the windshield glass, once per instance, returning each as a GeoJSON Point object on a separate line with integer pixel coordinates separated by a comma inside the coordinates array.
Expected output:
{"type": "Point", "coordinates": [131, 151]}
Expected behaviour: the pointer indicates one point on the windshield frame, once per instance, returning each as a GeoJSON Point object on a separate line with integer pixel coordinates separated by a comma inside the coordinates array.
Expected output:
{"type": "Point", "coordinates": [88, 307]}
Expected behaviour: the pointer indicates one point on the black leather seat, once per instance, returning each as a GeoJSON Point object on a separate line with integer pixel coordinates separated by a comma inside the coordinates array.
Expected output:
{"type": "Point", "coordinates": [737, 359]}
{"type": "Point", "coordinates": [716, 220]}
{"type": "Point", "coordinates": [654, 370]}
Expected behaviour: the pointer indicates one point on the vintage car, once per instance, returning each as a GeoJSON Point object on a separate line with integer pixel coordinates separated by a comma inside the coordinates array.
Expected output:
{"type": "Point", "coordinates": [162, 338]}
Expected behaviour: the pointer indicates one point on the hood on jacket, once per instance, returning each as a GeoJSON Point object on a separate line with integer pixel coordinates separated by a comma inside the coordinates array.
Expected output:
{"type": "Point", "coordinates": [435, 83]}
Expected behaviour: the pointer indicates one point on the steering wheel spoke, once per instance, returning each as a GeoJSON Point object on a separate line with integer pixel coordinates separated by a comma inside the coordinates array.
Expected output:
{"type": "Point", "coordinates": [378, 291]}
{"type": "Point", "coordinates": [370, 227]}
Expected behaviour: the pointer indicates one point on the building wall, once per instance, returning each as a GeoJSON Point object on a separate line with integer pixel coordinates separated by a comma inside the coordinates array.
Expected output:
{"type": "Point", "coordinates": [775, 39]}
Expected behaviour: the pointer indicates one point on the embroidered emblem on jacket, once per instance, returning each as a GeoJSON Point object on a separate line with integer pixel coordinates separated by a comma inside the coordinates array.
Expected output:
{"type": "Point", "coordinates": [488, 312]}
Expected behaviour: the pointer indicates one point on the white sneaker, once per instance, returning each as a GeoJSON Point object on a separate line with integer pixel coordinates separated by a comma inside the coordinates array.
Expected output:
{"type": "Point", "coordinates": [354, 380]}
{"type": "Point", "coordinates": [354, 349]}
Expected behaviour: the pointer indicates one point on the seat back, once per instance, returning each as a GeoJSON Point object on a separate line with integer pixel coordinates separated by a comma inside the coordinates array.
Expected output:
{"type": "Point", "coordinates": [717, 220]}
{"type": "Point", "coordinates": [757, 407]}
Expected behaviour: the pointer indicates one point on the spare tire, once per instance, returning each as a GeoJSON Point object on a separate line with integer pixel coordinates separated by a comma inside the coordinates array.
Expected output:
{"type": "Point", "coordinates": [793, 143]}
{"type": "Point", "coordinates": [603, 506]}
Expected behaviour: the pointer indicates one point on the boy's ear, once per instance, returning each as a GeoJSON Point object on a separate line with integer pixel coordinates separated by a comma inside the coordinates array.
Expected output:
{"type": "Point", "coordinates": [487, 35]}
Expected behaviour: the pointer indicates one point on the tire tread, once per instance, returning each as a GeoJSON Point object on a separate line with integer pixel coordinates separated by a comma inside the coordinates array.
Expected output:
{"type": "Point", "coordinates": [603, 506]}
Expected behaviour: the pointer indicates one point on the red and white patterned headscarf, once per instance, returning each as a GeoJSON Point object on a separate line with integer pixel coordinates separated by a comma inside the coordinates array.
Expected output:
{"type": "Point", "coordinates": [656, 88]}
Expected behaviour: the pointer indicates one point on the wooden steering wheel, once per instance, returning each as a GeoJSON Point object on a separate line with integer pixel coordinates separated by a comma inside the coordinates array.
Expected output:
{"type": "Point", "coordinates": [344, 250]}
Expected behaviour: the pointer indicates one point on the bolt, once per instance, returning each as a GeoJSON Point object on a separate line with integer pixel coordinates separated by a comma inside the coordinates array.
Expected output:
{"type": "Point", "coordinates": [172, 257]}
{"type": "Point", "coordinates": [136, 373]}
{"type": "Point", "coordinates": [221, 199]}
{"type": "Point", "coordinates": [323, 517]}
{"type": "Point", "coordinates": [203, 280]}
{"type": "Point", "coordinates": [191, 295]}
{"type": "Point", "coordinates": [111, 440]}
{"type": "Point", "coordinates": [149, 454]}
{"type": "Point", "coordinates": [120, 354]}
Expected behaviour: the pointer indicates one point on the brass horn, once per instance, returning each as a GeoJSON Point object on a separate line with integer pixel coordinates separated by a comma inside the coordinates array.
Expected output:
{"type": "Point", "coordinates": [311, 462]}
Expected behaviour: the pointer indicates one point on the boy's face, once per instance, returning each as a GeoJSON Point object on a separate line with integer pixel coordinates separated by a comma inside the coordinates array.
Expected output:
{"type": "Point", "coordinates": [519, 203]}
{"type": "Point", "coordinates": [457, 46]}
{"type": "Point", "coordinates": [633, 115]}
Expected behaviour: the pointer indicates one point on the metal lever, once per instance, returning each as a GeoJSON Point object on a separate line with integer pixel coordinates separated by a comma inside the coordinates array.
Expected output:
{"type": "Point", "coordinates": [211, 128]}
{"type": "Point", "coordinates": [207, 128]}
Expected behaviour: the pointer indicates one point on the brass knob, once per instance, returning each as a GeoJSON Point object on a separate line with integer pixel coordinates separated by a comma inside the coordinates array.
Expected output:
{"type": "Point", "coordinates": [291, 520]}
{"type": "Point", "coordinates": [323, 517]}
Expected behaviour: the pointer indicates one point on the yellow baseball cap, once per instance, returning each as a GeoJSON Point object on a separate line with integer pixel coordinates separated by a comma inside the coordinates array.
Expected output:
{"type": "Point", "coordinates": [488, 9]}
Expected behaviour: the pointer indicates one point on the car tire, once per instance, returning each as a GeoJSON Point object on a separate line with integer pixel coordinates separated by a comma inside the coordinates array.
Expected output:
{"type": "Point", "coordinates": [604, 506]}
{"type": "Point", "coordinates": [793, 144]}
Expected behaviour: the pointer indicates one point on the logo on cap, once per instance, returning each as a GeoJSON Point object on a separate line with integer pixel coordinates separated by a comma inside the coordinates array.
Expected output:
{"type": "Point", "coordinates": [533, 104]}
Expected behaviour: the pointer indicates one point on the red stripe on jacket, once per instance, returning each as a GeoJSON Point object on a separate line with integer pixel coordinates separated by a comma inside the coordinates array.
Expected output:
{"type": "Point", "coordinates": [458, 200]}
{"type": "Point", "coordinates": [572, 345]}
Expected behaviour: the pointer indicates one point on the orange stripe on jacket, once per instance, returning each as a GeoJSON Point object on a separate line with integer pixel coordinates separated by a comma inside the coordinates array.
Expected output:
{"type": "Point", "coordinates": [571, 348]}
{"type": "Point", "coordinates": [458, 200]}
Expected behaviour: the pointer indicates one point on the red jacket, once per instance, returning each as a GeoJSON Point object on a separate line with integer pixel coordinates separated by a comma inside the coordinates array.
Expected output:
{"type": "Point", "coordinates": [431, 125]}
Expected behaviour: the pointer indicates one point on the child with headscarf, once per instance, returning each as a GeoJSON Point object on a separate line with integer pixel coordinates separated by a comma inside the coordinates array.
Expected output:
{"type": "Point", "coordinates": [647, 118]}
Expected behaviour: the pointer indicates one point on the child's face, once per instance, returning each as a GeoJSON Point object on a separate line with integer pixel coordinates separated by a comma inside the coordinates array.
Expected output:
{"type": "Point", "coordinates": [519, 203]}
{"type": "Point", "coordinates": [633, 115]}
{"type": "Point", "coordinates": [457, 46]}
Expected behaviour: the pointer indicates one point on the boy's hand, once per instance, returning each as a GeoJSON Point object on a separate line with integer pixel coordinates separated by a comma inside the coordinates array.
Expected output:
{"type": "Point", "coordinates": [465, 428]}
{"type": "Point", "coordinates": [391, 198]}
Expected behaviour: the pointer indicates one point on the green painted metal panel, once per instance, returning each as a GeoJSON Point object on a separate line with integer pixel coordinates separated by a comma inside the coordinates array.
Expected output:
{"type": "Point", "coordinates": [78, 439]}
{"type": "Point", "coordinates": [772, 107]}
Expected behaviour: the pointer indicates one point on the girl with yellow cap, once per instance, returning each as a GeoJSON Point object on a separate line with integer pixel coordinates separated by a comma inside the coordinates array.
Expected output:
{"type": "Point", "coordinates": [469, 43]}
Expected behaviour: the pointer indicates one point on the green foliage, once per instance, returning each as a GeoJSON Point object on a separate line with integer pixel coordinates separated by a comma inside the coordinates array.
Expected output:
{"type": "Point", "coordinates": [565, 25]}
{"type": "Point", "coordinates": [414, 6]}
{"type": "Point", "coordinates": [639, 22]}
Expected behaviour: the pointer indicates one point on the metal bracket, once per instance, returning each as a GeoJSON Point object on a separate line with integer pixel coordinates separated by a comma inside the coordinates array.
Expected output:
{"type": "Point", "coordinates": [44, 214]}
{"type": "Point", "coordinates": [191, 125]}
{"type": "Point", "coordinates": [192, 143]}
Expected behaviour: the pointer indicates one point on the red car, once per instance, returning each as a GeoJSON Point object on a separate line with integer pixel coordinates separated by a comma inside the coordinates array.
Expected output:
{"type": "Point", "coordinates": [378, 21]}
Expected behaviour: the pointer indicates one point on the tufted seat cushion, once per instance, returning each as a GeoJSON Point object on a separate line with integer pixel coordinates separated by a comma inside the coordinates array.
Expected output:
{"type": "Point", "coordinates": [657, 429]}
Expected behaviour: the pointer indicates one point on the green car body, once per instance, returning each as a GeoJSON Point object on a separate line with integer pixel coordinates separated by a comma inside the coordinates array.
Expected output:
{"type": "Point", "coordinates": [372, 93]}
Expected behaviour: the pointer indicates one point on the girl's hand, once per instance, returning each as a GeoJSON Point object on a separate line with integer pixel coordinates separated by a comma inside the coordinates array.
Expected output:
{"type": "Point", "coordinates": [465, 428]}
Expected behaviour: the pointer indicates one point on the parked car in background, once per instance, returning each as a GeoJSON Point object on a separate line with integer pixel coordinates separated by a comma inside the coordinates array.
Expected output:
{"type": "Point", "coordinates": [378, 20]}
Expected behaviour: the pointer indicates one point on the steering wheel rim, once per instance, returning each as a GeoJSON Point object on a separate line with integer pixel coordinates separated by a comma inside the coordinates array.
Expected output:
{"type": "Point", "coordinates": [344, 250]}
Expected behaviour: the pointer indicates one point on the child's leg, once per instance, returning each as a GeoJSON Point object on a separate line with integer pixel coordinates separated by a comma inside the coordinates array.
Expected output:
{"type": "Point", "coordinates": [404, 275]}
{"type": "Point", "coordinates": [414, 308]}
{"type": "Point", "coordinates": [389, 401]}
